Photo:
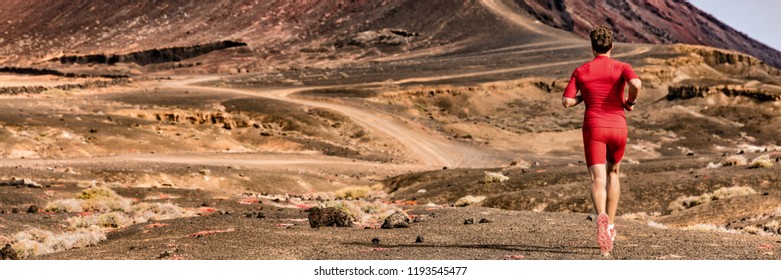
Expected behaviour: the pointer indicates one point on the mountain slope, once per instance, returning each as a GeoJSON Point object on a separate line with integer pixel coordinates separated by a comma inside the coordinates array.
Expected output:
{"type": "Point", "coordinates": [648, 21]}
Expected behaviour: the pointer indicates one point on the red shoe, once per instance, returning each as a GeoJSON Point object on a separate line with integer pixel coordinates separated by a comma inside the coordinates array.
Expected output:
{"type": "Point", "coordinates": [603, 234]}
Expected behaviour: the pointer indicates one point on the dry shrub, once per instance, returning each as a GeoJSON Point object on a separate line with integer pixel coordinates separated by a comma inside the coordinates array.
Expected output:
{"type": "Point", "coordinates": [763, 161]}
{"type": "Point", "coordinates": [708, 227]}
{"type": "Point", "coordinates": [100, 221]}
{"type": "Point", "coordinates": [98, 193]}
{"type": "Point", "coordinates": [115, 211]}
{"type": "Point", "coordinates": [656, 225]}
{"type": "Point", "coordinates": [469, 200]}
{"type": "Point", "coordinates": [144, 212]}
{"type": "Point", "coordinates": [360, 192]}
{"type": "Point", "coordinates": [686, 202]}
{"type": "Point", "coordinates": [495, 177]}
{"type": "Point", "coordinates": [98, 199]}
{"type": "Point", "coordinates": [773, 227]}
{"type": "Point", "coordinates": [35, 242]}
{"type": "Point", "coordinates": [734, 160]}
{"type": "Point", "coordinates": [65, 206]}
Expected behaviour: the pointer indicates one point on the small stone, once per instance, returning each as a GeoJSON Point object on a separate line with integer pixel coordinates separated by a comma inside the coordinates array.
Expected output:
{"type": "Point", "coordinates": [375, 240]}
{"type": "Point", "coordinates": [205, 172]}
{"type": "Point", "coordinates": [469, 221]}
{"type": "Point", "coordinates": [204, 204]}
{"type": "Point", "coordinates": [167, 253]}
{"type": "Point", "coordinates": [265, 134]}
{"type": "Point", "coordinates": [8, 253]}
{"type": "Point", "coordinates": [14, 210]}
{"type": "Point", "coordinates": [260, 215]}
{"type": "Point", "coordinates": [485, 221]}
{"type": "Point", "coordinates": [444, 168]}
{"type": "Point", "coordinates": [419, 239]}
{"type": "Point", "coordinates": [32, 209]}
{"type": "Point", "coordinates": [590, 218]}
{"type": "Point", "coordinates": [223, 212]}
{"type": "Point", "coordinates": [92, 130]}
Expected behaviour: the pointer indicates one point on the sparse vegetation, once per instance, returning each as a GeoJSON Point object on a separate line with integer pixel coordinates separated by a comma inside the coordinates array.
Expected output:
{"type": "Point", "coordinates": [709, 227]}
{"type": "Point", "coordinates": [34, 242]}
{"type": "Point", "coordinates": [686, 202]}
{"type": "Point", "coordinates": [469, 200]}
{"type": "Point", "coordinates": [112, 210]}
{"type": "Point", "coordinates": [734, 160]}
{"type": "Point", "coordinates": [656, 225]}
{"type": "Point", "coordinates": [360, 192]}
{"type": "Point", "coordinates": [763, 161]}
{"type": "Point", "coordinates": [99, 221]}
{"type": "Point", "coordinates": [495, 177]}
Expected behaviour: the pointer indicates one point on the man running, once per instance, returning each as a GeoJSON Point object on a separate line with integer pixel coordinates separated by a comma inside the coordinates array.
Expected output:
{"type": "Point", "coordinates": [601, 85]}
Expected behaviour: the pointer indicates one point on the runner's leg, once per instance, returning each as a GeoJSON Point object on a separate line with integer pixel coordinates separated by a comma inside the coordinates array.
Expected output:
{"type": "Point", "coordinates": [598, 190]}
{"type": "Point", "coordinates": [616, 145]}
{"type": "Point", "coordinates": [613, 189]}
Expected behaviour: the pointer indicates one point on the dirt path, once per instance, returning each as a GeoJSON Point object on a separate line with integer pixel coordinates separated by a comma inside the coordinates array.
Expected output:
{"type": "Point", "coordinates": [431, 149]}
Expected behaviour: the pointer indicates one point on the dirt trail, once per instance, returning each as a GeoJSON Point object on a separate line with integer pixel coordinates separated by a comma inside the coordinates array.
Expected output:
{"type": "Point", "coordinates": [432, 150]}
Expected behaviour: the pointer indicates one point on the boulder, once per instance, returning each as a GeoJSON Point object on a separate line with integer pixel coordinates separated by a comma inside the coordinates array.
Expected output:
{"type": "Point", "coordinates": [330, 216]}
{"type": "Point", "coordinates": [398, 219]}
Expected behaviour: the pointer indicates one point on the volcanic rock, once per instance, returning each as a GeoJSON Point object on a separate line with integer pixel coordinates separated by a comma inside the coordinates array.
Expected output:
{"type": "Point", "coordinates": [398, 219]}
{"type": "Point", "coordinates": [329, 216]}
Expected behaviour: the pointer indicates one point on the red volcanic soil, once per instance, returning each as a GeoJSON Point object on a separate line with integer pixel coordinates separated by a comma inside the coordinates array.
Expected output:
{"type": "Point", "coordinates": [648, 21]}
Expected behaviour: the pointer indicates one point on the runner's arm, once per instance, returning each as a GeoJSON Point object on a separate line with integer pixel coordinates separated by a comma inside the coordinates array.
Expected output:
{"type": "Point", "coordinates": [569, 102]}
{"type": "Point", "coordinates": [634, 90]}
{"type": "Point", "coordinates": [570, 97]}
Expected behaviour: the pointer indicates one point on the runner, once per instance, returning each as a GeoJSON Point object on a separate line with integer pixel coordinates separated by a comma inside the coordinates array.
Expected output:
{"type": "Point", "coordinates": [601, 85]}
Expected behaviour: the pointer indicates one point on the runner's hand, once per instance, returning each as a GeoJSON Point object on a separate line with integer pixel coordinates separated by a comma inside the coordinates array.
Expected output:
{"type": "Point", "coordinates": [628, 107]}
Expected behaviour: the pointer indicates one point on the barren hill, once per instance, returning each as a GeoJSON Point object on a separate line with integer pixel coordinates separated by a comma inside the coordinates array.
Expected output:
{"type": "Point", "coordinates": [648, 21]}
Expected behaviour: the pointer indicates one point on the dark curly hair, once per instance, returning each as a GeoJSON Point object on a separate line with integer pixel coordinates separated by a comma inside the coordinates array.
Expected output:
{"type": "Point", "coordinates": [601, 39]}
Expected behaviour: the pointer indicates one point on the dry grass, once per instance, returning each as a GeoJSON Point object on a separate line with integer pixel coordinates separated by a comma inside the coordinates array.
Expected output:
{"type": "Point", "coordinates": [709, 227]}
{"type": "Point", "coordinates": [686, 202]}
{"type": "Point", "coordinates": [734, 160]}
{"type": "Point", "coordinates": [656, 225]}
{"type": "Point", "coordinates": [112, 210]}
{"type": "Point", "coordinates": [374, 191]}
{"type": "Point", "coordinates": [494, 177]}
{"type": "Point", "coordinates": [763, 161]}
{"type": "Point", "coordinates": [34, 242]}
{"type": "Point", "coordinates": [100, 221]}
{"type": "Point", "coordinates": [97, 199]}
{"type": "Point", "coordinates": [104, 208]}
{"type": "Point", "coordinates": [469, 200]}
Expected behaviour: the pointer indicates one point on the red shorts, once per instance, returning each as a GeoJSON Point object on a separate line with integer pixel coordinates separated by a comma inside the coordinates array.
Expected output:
{"type": "Point", "coordinates": [604, 144]}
